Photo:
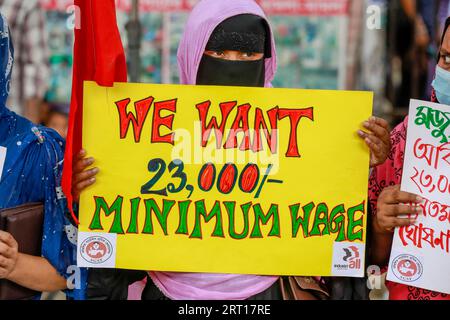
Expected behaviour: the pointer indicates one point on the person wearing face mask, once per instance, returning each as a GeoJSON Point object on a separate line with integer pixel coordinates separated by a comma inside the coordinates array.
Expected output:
{"type": "Point", "coordinates": [385, 196]}
{"type": "Point", "coordinates": [441, 83]}
{"type": "Point", "coordinates": [226, 43]}
{"type": "Point", "coordinates": [236, 52]}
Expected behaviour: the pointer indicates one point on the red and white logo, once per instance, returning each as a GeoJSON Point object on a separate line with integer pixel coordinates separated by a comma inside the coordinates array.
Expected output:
{"type": "Point", "coordinates": [407, 268]}
{"type": "Point", "coordinates": [96, 250]}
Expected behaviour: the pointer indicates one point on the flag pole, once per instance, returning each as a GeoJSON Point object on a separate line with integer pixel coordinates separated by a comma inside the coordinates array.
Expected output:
{"type": "Point", "coordinates": [134, 32]}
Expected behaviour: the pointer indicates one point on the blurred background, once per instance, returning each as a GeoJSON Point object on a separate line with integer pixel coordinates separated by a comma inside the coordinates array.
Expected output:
{"type": "Point", "coordinates": [389, 47]}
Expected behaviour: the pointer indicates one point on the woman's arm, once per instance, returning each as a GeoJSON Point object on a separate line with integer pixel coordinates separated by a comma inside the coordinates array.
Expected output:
{"type": "Point", "coordinates": [35, 273]}
{"type": "Point", "coordinates": [381, 245]}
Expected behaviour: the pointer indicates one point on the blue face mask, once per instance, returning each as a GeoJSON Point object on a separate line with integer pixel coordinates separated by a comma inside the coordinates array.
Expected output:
{"type": "Point", "coordinates": [441, 85]}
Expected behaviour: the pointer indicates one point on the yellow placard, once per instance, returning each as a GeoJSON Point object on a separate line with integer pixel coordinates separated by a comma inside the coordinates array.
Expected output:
{"type": "Point", "coordinates": [225, 180]}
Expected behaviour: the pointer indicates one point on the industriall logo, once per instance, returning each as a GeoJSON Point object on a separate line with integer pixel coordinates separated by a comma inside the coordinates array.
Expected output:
{"type": "Point", "coordinates": [351, 259]}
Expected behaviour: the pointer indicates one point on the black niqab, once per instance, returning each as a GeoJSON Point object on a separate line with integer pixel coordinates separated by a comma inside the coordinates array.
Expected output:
{"type": "Point", "coordinates": [246, 33]}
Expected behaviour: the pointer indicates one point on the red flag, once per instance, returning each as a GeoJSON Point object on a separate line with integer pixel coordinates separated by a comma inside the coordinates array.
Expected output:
{"type": "Point", "coordinates": [98, 56]}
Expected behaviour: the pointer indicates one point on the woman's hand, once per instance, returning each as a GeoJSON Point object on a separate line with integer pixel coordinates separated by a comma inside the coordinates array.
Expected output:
{"type": "Point", "coordinates": [392, 204]}
{"type": "Point", "coordinates": [82, 178]}
{"type": "Point", "coordinates": [9, 252]}
{"type": "Point", "coordinates": [378, 140]}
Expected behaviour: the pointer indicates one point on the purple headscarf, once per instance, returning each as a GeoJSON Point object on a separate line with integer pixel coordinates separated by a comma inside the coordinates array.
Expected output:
{"type": "Point", "coordinates": [205, 17]}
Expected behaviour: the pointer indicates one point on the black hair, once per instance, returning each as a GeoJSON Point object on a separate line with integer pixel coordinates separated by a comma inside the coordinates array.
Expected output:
{"type": "Point", "coordinates": [447, 24]}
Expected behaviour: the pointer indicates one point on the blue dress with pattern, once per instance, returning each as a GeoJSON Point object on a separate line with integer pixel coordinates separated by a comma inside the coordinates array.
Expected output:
{"type": "Point", "coordinates": [32, 172]}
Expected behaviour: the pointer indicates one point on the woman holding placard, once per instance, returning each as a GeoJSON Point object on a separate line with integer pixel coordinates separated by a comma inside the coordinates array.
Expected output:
{"type": "Point", "coordinates": [387, 200]}
{"type": "Point", "coordinates": [227, 43]}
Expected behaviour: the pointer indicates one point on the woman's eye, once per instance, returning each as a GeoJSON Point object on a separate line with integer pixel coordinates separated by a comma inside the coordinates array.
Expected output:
{"type": "Point", "coordinates": [248, 54]}
{"type": "Point", "coordinates": [219, 53]}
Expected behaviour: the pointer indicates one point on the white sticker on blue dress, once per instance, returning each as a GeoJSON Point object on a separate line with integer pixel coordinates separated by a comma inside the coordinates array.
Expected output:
{"type": "Point", "coordinates": [2, 160]}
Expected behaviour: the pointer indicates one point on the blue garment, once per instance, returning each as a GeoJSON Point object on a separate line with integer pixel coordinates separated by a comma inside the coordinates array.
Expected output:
{"type": "Point", "coordinates": [32, 173]}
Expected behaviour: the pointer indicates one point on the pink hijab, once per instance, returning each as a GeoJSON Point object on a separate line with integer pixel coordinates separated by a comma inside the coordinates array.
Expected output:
{"type": "Point", "coordinates": [205, 17]}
